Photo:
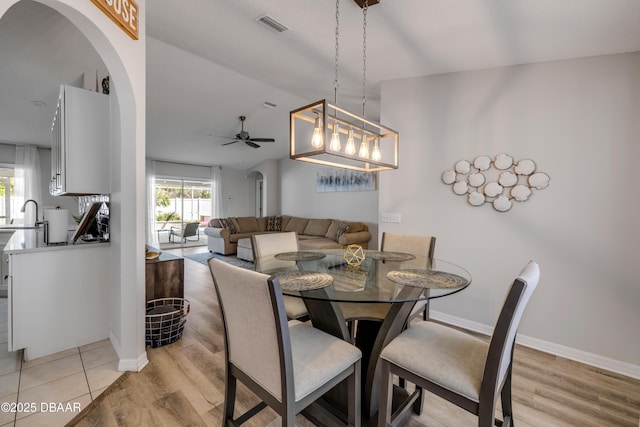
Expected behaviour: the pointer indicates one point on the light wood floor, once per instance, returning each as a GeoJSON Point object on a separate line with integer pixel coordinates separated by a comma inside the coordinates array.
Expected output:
{"type": "Point", "coordinates": [183, 383]}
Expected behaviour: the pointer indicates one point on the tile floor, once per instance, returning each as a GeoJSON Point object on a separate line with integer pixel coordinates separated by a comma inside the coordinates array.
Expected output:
{"type": "Point", "coordinates": [73, 378]}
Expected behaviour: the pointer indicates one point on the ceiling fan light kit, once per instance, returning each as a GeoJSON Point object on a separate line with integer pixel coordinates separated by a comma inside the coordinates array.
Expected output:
{"type": "Point", "coordinates": [316, 129]}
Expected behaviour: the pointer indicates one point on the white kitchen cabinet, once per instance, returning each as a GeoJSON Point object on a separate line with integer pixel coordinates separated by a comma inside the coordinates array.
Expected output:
{"type": "Point", "coordinates": [5, 235]}
{"type": "Point", "coordinates": [58, 298]}
{"type": "Point", "coordinates": [80, 143]}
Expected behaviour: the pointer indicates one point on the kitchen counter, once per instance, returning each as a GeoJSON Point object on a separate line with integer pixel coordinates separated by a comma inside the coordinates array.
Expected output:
{"type": "Point", "coordinates": [59, 298]}
{"type": "Point", "coordinates": [11, 227]}
{"type": "Point", "coordinates": [32, 240]}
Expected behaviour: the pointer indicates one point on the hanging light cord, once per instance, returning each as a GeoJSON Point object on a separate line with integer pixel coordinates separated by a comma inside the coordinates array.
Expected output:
{"type": "Point", "coordinates": [364, 56]}
{"type": "Point", "coordinates": [335, 80]}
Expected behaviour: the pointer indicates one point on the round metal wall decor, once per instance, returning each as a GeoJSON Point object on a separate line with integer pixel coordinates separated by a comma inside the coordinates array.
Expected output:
{"type": "Point", "coordinates": [500, 181]}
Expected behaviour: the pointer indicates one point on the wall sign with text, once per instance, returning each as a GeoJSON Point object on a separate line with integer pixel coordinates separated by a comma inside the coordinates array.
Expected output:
{"type": "Point", "coordinates": [123, 12]}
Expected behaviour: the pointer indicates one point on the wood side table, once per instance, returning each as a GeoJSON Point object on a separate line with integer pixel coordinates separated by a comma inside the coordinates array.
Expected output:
{"type": "Point", "coordinates": [164, 276]}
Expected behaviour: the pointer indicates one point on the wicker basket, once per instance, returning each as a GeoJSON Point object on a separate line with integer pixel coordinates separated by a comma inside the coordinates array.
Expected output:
{"type": "Point", "coordinates": [164, 320]}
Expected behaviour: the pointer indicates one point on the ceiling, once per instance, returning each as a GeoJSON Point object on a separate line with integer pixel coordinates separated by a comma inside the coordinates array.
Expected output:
{"type": "Point", "coordinates": [210, 61]}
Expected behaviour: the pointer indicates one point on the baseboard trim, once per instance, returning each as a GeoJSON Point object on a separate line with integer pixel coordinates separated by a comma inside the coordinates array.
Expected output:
{"type": "Point", "coordinates": [134, 365]}
{"type": "Point", "coordinates": [622, 368]}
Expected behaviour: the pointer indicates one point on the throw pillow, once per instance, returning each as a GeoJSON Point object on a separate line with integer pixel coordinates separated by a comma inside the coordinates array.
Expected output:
{"type": "Point", "coordinates": [333, 228]}
{"type": "Point", "coordinates": [342, 228]}
{"type": "Point", "coordinates": [274, 223]}
{"type": "Point", "coordinates": [228, 224]}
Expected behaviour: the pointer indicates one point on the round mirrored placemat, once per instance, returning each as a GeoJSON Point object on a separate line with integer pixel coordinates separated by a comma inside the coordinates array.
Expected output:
{"type": "Point", "coordinates": [427, 278]}
{"type": "Point", "coordinates": [299, 256]}
{"type": "Point", "coordinates": [301, 280]}
{"type": "Point", "coordinates": [389, 256]}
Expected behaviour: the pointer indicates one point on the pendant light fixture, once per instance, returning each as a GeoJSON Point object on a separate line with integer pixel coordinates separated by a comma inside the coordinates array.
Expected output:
{"type": "Point", "coordinates": [316, 129]}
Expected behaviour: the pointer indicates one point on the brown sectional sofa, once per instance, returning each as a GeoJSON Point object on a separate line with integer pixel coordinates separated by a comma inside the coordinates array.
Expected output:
{"type": "Point", "coordinates": [224, 233]}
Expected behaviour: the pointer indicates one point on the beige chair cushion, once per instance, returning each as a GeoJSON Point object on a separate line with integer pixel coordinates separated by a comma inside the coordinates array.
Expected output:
{"type": "Point", "coordinates": [250, 326]}
{"type": "Point", "coordinates": [317, 357]}
{"type": "Point", "coordinates": [443, 355]}
{"type": "Point", "coordinates": [273, 243]}
{"type": "Point", "coordinates": [407, 243]}
{"type": "Point", "coordinates": [360, 311]}
{"type": "Point", "coordinates": [294, 307]}
{"type": "Point", "coordinates": [412, 244]}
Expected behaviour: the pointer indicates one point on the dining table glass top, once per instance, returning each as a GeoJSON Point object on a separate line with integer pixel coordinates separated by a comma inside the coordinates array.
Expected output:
{"type": "Point", "coordinates": [382, 277]}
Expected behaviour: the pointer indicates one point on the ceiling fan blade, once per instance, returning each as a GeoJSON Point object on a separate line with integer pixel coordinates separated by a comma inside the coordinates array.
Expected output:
{"type": "Point", "coordinates": [262, 139]}
{"type": "Point", "coordinates": [252, 144]}
{"type": "Point", "coordinates": [232, 142]}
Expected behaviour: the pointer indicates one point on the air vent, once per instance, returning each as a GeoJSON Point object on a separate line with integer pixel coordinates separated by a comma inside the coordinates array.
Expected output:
{"type": "Point", "coordinates": [271, 23]}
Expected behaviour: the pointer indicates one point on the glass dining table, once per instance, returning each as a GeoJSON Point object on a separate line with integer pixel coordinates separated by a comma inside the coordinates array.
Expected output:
{"type": "Point", "coordinates": [379, 294]}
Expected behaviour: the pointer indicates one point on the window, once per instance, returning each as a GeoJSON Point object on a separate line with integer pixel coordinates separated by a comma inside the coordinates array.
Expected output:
{"type": "Point", "coordinates": [181, 201]}
{"type": "Point", "coordinates": [6, 194]}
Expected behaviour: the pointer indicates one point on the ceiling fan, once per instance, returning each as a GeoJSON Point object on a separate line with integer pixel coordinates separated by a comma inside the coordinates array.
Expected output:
{"type": "Point", "coordinates": [244, 137]}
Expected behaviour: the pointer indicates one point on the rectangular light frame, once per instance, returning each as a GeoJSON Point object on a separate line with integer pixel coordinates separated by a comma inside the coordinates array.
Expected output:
{"type": "Point", "coordinates": [301, 149]}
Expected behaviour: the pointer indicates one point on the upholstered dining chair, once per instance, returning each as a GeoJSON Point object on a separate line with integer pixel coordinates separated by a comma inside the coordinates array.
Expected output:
{"type": "Point", "coordinates": [423, 246]}
{"type": "Point", "coordinates": [457, 366]}
{"type": "Point", "coordinates": [415, 245]}
{"type": "Point", "coordinates": [267, 245]}
{"type": "Point", "coordinates": [288, 365]}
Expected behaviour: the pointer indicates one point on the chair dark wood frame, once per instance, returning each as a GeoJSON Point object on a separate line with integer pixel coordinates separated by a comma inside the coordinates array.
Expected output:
{"type": "Point", "coordinates": [485, 408]}
{"type": "Point", "coordinates": [288, 408]}
{"type": "Point", "coordinates": [430, 252]}
{"type": "Point", "coordinates": [377, 312]}
{"type": "Point", "coordinates": [257, 254]}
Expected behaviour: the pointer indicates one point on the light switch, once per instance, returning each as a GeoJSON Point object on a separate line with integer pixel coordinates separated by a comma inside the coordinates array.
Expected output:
{"type": "Point", "coordinates": [391, 217]}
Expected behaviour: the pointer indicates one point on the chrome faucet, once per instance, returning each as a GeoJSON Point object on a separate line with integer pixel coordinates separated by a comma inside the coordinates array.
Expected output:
{"type": "Point", "coordinates": [36, 224]}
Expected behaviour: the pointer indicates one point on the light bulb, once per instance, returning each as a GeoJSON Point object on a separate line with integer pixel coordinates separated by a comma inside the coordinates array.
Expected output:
{"type": "Point", "coordinates": [364, 148]}
{"type": "Point", "coordinates": [351, 144]}
{"type": "Point", "coordinates": [316, 139]}
{"type": "Point", "coordinates": [375, 154]}
{"type": "Point", "coordinates": [335, 138]}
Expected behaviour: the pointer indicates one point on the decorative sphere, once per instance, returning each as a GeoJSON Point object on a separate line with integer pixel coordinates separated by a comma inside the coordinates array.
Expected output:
{"type": "Point", "coordinates": [354, 255]}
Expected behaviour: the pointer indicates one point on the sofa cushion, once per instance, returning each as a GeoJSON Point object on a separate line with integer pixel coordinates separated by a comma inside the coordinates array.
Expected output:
{"type": "Point", "coordinates": [318, 243]}
{"type": "Point", "coordinates": [317, 227]}
{"type": "Point", "coordinates": [262, 223]}
{"type": "Point", "coordinates": [229, 224]}
{"type": "Point", "coordinates": [356, 227]}
{"type": "Point", "coordinates": [247, 224]}
{"type": "Point", "coordinates": [285, 222]}
{"type": "Point", "coordinates": [215, 222]}
{"type": "Point", "coordinates": [307, 237]}
{"type": "Point", "coordinates": [273, 223]}
{"type": "Point", "coordinates": [342, 228]}
{"type": "Point", "coordinates": [297, 225]}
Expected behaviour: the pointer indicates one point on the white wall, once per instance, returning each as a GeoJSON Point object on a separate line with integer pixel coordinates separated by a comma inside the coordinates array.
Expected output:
{"type": "Point", "coordinates": [299, 198]}
{"type": "Point", "coordinates": [270, 175]}
{"type": "Point", "coordinates": [238, 193]}
{"type": "Point", "coordinates": [578, 120]}
{"type": "Point", "coordinates": [125, 59]}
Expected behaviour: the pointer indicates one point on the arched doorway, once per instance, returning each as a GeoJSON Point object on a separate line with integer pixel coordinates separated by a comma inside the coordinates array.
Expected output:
{"type": "Point", "coordinates": [124, 58]}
